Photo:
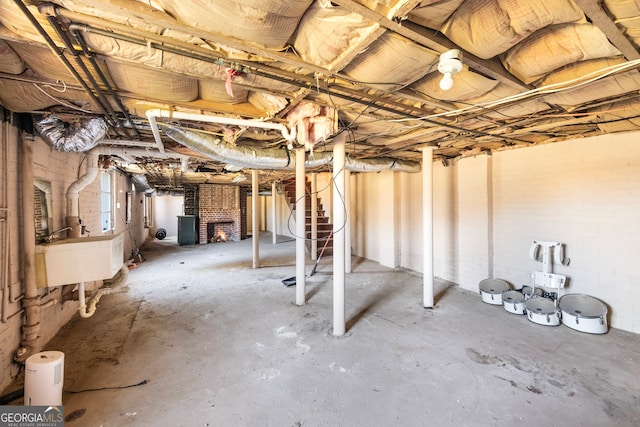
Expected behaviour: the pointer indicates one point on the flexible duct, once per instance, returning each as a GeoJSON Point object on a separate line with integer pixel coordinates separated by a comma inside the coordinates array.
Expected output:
{"type": "Point", "coordinates": [141, 184]}
{"type": "Point", "coordinates": [64, 136]}
{"type": "Point", "coordinates": [380, 164]}
{"type": "Point", "coordinates": [275, 158]}
{"type": "Point", "coordinates": [290, 136]}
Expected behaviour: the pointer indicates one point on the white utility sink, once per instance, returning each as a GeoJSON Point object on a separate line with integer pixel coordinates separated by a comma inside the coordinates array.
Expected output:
{"type": "Point", "coordinates": [80, 259]}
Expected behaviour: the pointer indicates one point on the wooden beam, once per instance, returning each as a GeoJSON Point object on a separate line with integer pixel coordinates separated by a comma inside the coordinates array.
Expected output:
{"type": "Point", "coordinates": [434, 41]}
{"type": "Point", "coordinates": [601, 19]}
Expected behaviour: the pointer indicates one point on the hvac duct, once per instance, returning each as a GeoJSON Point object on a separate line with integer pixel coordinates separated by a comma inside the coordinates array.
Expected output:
{"type": "Point", "coordinates": [290, 136]}
{"type": "Point", "coordinates": [141, 184]}
{"type": "Point", "coordinates": [275, 158]}
{"type": "Point", "coordinates": [63, 136]}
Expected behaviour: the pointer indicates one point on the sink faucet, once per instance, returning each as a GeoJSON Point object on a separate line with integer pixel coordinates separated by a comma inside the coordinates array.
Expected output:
{"type": "Point", "coordinates": [50, 237]}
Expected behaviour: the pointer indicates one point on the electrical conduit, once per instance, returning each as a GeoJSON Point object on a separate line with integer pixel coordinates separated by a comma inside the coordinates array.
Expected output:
{"type": "Point", "coordinates": [31, 300]}
{"type": "Point", "coordinates": [275, 158]}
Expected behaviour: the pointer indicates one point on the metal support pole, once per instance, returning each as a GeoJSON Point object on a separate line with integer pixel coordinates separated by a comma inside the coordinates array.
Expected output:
{"type": "Point", "coordinates": [338, 235]}
{"type": "Point", "coordinates": [274, 212]}
{"type": "Point", "coordinates": [347, 223]}
{"type": "Point", "coordinates": [301, 232]}
{"type": "Point", "coordinates": [255, 215]}
{"type": "Point", "coordinates": [314, 216]}
{"type": "Point", "coordinates": [427, 226]}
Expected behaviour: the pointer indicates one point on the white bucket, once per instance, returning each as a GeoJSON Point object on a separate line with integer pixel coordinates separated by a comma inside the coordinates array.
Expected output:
{"type": "Point", "coordinates": [43, 379]}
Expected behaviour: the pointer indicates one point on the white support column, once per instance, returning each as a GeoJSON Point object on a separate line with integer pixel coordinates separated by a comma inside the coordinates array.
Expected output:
{"type": "Point", "coordinates": [255, 211]}
{"type": "Point", "coordinates": [274, 212]}
{"type": "Point", "coordinates": [314, 216]}
{"type": "Point", "coordinates": [427, 226]}
{"type": "Point", "coordinates": [300, 228]}
{"type": "Point", "coordinates": [347, 224]}
{"type": "Point", "coordinates": [338, 235]}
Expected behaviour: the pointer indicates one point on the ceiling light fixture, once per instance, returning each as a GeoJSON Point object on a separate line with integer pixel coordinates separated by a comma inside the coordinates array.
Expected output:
{"type": "Point", "coordinates": [450, 63]}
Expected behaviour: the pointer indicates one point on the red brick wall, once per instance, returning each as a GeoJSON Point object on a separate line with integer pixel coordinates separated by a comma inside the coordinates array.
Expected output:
{"type": "Point", "coordinates": [219, 203]}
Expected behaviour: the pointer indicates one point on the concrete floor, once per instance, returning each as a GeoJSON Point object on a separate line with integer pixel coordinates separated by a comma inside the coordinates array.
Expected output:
{"type": "Point", "coordinates": [222, 344]}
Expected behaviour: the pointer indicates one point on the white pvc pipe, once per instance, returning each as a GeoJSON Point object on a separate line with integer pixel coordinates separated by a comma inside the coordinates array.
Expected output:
{"type": "Point", "coordinates": [73, 192]}
{"type": "Point", "coordinates": [274, 212]}
{"type": "Point", "coordinates": [82, 304]}
{"type": "Point", "coordinates": [155, 130]}
{"type": "Point", "coordinates": [347, 223]}
{"type": "Point", "coordinates": [89, 310]}
{"type": "Point", "coordinates": [255, 225]}
{"type": "Point", "coordinates": [427, 226]}
{"type": "Point", "coordinates": [290, 136]}
{"type": "Point", "coordinates": [338, 235]}
{"type": "Point", "coordinates": [314, 216]}
{"type": "Point", "coordinates": [301, 232]}
{"type": "Point", "coordinates": [6, 250]}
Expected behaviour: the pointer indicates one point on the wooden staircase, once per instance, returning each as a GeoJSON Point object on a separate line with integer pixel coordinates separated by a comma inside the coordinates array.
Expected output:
{"type": "Point", "coordinates": [324, 226]}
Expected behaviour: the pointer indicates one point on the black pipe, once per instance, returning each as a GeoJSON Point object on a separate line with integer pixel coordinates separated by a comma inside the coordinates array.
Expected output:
{"type": "Point", "coordinates": [59, 53]}
{"type": "Point", "coordinates": [88, 54]}
{"type": "Point", "coordinates": [69, 46]}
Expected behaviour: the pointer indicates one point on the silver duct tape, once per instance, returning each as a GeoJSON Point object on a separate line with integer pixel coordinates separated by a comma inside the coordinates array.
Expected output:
{"type": "Point", "coordinates": [275, 158]}
{"type": "Point", "coordinates": [62, 136]}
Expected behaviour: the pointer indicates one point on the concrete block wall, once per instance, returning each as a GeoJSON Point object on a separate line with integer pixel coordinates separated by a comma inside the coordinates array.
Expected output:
{"type": "Point", "coordinates": [445, 222]}
{"type": "Point", "coordinates": [489, 209]}
{"type": "Point", "coordinates": [445, 230]}
{"type": "Point", "coordinates": [473, 192]}
{"type": "Point", "coordinates": [387, 220]}
{"type": "Point", "coordinates": [583, 193]}
{"type": "Point", "coordinates": [60, 169]}
{"type": "Point", "coordinates": [375, 218]}
{"type": "Point", "coordinates": [167, 210]}
{"type": "Point", "coordinates": [370, 201]}
{"type": "Point", "coordinates": [264, 213]}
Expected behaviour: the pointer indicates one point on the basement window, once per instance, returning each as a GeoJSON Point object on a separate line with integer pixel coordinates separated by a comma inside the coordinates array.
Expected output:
{"type": "Point", "coordinates": [105, 198]}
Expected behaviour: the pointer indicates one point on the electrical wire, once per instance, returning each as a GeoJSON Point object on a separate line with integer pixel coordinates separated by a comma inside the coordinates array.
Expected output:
{"type": "Point", "coordinates": [143, 382]}
{"type": "Point", "coordinates": [61, 101]}
{"type": "Point", "coordinates": [319, 239]}
{"type": "Point", "coordinates": [548, 89]}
